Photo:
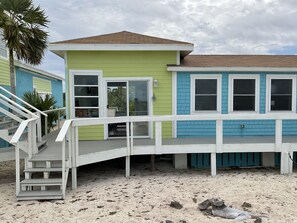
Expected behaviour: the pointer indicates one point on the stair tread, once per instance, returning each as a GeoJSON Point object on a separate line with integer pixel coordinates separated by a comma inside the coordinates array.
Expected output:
{"type": "Point", "coordinates": [10, 128]}
{"type": "Point", "coordinates": [6, 122]}
{"type": "Point", "coordinates": [40, 193]}
{"type": "Point", "coordinates": [45, 158]}
{"type": "Point", "coordinates": [52, 169]}
{"type": "Point", "coordinates": [42, 142]}
{"type": "Point", "coordinates": [56, 181]}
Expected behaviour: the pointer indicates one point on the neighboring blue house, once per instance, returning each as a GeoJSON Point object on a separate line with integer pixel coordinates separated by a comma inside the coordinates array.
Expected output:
{"type": "Point", "coordinates": [29, 79]}
{"type": "Point", "coordinates": [234, 84]}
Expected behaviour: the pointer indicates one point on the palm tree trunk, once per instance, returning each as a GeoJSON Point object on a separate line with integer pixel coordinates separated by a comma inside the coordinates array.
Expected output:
{"type": "Point", "coordinates": [12, 74]}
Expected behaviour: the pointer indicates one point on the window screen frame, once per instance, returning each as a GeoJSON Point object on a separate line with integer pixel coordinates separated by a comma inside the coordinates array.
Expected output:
{"type": "Point", "coordinates": [216, 77]}
{"type": "Point", "coordinates": [233, 77]}
{"type": "Point", "coordinates": [271, 77]}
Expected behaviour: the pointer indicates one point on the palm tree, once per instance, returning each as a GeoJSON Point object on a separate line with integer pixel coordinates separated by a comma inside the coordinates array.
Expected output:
{"type": "Point", "coordinates": [23, 27]}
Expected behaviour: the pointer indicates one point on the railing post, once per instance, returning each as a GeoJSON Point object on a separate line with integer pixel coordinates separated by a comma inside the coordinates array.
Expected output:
{"type": "Point", "coordinates": [278, 135]}
{"type": "Point", "coordinates": [74, 150]}
{"type": "Point", "coordinates": [45, 125]}
{"type": "Point", "coordinates": [219, 136]}
{"type": "Point", "coordinates": [17, 168]}
{"type": "Point", "coordinates": [34, 138]}
{"type": "Point", "coordinates": [219, 147]}
{"type": "Point", "coordinates": [128, 150]}
{"type": "Point", "coordinates": [63, 168]}
{"type": "Point", "coordinates": [59, 115]}
{"type": "Point", "coordinates": [132, 138]}
{"type": "Point", "coordinates": [39, 128]}
{"type": "Point", "coordinates": [30, 139]}
{"type": "Point", "coordinates": [158, 137]}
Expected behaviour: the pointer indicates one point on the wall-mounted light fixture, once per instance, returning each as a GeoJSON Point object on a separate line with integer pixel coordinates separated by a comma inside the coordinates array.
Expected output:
{"type": "Point", "coordinates": [155, 83]}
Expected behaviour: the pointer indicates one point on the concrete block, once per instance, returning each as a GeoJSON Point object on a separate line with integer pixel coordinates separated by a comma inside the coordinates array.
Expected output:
{"type": "Point", "coordinates": [180, 161]}
{"type": "Point", "coordinates": [268, 159]}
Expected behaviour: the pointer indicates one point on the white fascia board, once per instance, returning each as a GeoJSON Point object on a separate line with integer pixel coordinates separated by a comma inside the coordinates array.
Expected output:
{"type": "Point", "coordinates": [120, 47]}
{"type": "Point", "coordinates": [38, 71]}
{"type": "Point", "coordinates": [231, 69]}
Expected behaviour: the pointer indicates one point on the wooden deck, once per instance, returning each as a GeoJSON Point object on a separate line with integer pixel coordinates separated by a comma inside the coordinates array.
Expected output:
{"type": "Point", "coordinates": [97, 151]}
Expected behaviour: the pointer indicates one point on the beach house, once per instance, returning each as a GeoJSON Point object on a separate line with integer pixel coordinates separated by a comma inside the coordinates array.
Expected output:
{"type": "Point", "coordinates": [129, 94]}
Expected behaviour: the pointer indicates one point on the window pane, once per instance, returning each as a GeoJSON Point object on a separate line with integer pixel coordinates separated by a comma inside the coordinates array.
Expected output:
{"type": "Point", "coordinates": [86, 102]}
{"type": "Point", "coordinates": [281, 86]}
{"type": "Point", "coordinates": [205, 103]}
{"type": "Point", "coordinates": [281, 103]}
{"type": "Point", "coordinates": [86, 91]}
{"type": "Point", "coordinates": [244, 103]}
{"type": "Point", "coordinates": [86, 80]}
{"type": "Point", "coordinates": [86, 113]}
{"type": "Point", "coordinates": [206, 86]}
{"type": "Point", "coordinates": [244, 86]}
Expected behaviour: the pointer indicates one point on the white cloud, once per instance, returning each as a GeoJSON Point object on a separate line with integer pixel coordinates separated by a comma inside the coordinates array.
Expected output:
{"type": "Point", "coordinates": [214, 26]}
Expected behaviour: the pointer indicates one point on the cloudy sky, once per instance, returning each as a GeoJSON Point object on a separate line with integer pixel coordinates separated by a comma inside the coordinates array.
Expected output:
{"type": "Point", "coordinates": [214, 26]}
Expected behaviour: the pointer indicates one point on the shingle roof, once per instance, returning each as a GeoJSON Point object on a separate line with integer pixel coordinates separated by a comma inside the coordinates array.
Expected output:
{"type": "Point", "coordinates": [123, 37]}
{"type": "Point", "coordinates": [239, 61]}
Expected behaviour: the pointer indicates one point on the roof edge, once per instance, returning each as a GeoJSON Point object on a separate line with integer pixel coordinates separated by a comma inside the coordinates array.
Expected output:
{"type": "Point", "coordinates": [230, 69]}
{"type": "Point", "coordinates": [60, 49]}
{"type": "Point", "coordinates": [38, 71]}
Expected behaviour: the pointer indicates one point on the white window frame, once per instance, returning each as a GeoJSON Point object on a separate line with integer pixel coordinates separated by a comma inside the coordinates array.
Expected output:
{"type": "Point", "coordinates": [233, 77]}
{"type": "Point", "coordinates": [195, 77]}
{"type": "Point", "coordinates": [100, 90]}
{"type": "Point", "coordinates": [270, 77]}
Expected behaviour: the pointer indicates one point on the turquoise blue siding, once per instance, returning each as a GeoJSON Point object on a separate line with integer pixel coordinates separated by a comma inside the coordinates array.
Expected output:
{"type": "Point", "coordinates": [24, 83]}
{"type": "Point", "coordinates": [188, 129]}
{"type": "Point", "coordinates": [227, 160]}
{"type": "Point", "coordinates": [57, 92]}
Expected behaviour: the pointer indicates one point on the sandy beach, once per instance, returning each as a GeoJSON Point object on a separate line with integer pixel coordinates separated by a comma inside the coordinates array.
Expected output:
{"type": "Point", "coordinates": [105, 195]}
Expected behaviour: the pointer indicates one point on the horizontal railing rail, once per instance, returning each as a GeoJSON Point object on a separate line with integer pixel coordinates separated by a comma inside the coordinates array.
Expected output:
{"type": "Point", "coordinates": [59, 111]}
{"type": "Point", "coordinates": [202, 117]}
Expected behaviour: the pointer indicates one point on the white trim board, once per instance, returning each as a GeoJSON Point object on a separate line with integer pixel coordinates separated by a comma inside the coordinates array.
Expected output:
{"type": "Point", "coordinates": [217, 77]}
{"type": "Point", "coordinates": [231, 69]}
{"type": "Point", "coordinates": [60, 48]}
{"type": "Point", "coordinates": [233, 77]}
{"type": "Point", "coordinates": [174, 103]}
{"type": "Point", "coordinates": [270, 77]}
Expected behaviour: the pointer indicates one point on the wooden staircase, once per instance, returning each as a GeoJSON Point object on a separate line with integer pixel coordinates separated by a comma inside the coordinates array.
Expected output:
{"type": "Point", "coordinates": [44, 177]}
{"type": "Point", "coordinates": [43, 180]}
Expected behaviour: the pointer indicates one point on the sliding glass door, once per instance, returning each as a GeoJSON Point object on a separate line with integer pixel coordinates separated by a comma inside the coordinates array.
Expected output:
{"type": "Point", "coordinates": [127, 98]}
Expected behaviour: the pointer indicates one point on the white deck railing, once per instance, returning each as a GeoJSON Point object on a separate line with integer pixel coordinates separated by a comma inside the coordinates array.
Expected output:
{"type": "Point", "coordinates": [70, 128]}
{"type": "Point", "coordinates": [21, 109]}
{"type": "Point", "coordinates": [60, 111]}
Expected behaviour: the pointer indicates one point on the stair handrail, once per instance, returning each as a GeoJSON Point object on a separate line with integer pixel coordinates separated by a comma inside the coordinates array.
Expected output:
{"type": "Point", "coordinates": [15, 140]}
{"type": "Point", "coordinates": [18, 105]}
{"type": "Point", "coordinates": [24, 102]}
{"type": "Point", "coordinates": [63, 132]}
{"type": "Point", "coordinates": [17, 135]}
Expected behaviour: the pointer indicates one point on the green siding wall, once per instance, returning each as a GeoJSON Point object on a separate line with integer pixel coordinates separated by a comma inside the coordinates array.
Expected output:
{"type": "Point", "coordinates": [129, 64]}
{"type": "Point", "coordinates": [41, 85]}
{"type": "Point", "coordinates": [4, 72]}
